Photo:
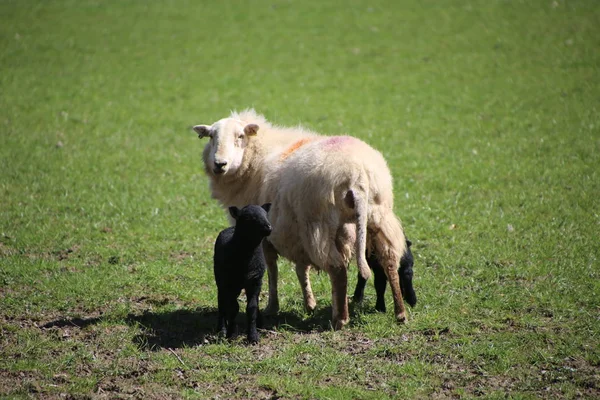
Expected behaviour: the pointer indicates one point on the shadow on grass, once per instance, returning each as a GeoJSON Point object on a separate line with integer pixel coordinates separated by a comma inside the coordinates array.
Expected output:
{"type": "Point", "coordinates": [192, 327]}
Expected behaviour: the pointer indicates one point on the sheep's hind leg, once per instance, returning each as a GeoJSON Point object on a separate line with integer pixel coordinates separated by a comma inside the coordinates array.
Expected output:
{"type": "Point", "coordinates": [390, 244]}
{"type": "Point", "coordinates": [390, 266]}
{"type": "Point", "coordinates": [271, 259]}
{"type": "Point", "coordinates": [302, 271]}
{"type": "Point", "coordinates": [339, 300]}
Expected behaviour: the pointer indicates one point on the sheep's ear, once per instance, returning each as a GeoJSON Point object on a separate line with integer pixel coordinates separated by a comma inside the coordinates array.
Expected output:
{"type": "Point", "coordinates": [266, 207]}
{"type": "Point", "coordinates": [234, 211]}
{"type": "Point", "coordinates": [408, 243]}
{"type": "Point", "coordinates": [251, 129]}
{"type": "Point", "coordinates": [202, 130]}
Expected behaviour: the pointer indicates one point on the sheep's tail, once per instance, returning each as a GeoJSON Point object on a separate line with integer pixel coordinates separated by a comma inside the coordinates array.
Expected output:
{"type": "Point", "coordinates": [361, 208]}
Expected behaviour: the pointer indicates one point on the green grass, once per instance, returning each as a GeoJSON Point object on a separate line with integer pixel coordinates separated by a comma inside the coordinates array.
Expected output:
{"type": "Point", "coordinates": [488, 113]}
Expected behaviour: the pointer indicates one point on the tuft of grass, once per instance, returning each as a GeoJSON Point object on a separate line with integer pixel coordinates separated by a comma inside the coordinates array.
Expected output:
{"type": "Point", "coordinates": [487, 113]}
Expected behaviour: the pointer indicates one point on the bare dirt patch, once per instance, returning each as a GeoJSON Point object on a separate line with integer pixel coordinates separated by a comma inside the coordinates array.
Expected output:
{"type": "Point", "coordinates": [10, 381]}
{"type": "Point", "coordinates": [182, 256]}
{"type": "Point", "coordinates": [7, 251]}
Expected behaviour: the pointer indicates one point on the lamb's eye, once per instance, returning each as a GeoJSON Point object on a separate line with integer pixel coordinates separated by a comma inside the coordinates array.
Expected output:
{"type": "Point", "coordinates": [241, 136]}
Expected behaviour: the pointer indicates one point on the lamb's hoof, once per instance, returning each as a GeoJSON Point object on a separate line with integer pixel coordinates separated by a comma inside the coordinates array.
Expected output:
{"type": "Point", "coordinates": [231, 334]}
{"type": "Point", "coordinates": [253, 339]}
{"type": "Point", "coordinates": [271, 309]}
{"type": "Point", "coordinates": [401, 318]}
{"type": "Point", "coordinates": [380, 307]}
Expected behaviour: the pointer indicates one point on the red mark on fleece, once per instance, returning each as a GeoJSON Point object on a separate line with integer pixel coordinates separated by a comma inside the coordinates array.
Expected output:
{"type": "Point", "coordinates": [338, 141]}
{"type": "Point", "coordinates": [295, 146]}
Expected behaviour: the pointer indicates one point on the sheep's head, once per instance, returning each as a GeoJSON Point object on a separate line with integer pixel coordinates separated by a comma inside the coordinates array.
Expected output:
{"type": "Point", "coordinates": [228, 138]}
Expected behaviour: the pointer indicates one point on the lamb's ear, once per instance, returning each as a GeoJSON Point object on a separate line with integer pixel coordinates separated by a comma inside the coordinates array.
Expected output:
{"type": "Point", "coordinates": [266, 207]}
{"type": "Point", "coordinates": [408, 243]}
{"type": "Point", "coordinates": [202, 130]}
{"type": "Point", "coordinates": [234, 211]}
{"type": "Point", "coordinates": [251, 129]}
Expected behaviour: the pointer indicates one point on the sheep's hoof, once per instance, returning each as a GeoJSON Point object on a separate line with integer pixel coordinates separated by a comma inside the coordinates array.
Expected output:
{"type": "Point", "coordinates": [401, 318]}
{"type": "Point", "coordinates": [340, 323]}
{"type": "Point", "coordinates": [310, 306]}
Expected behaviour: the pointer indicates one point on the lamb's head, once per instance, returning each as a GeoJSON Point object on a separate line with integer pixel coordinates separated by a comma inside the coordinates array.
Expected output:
{"type": "Point", "coordinates": [251, 221]}
{"type": "Point", "coordinates": [405, 273]}
{"type": "Point", "coordinates": [228, 138]}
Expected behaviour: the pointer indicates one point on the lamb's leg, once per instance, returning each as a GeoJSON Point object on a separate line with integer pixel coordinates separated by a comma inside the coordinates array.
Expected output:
{"type": "Point", "coordinates": [271, 259]}
{"type": "Point", "coordinates": [259, 319]}
{"type": "Point", "coordinates": [232, 310]}
{"type": "Point", "coordinates": [252, 313]}
{"type": "Point", "coordinates": [222, 313]}
{"type": "Point", "coordinates": [303, 271]}
{"type": "Point", "coordinates": [359, 291]}
{"type": "Point", "coordinates": [380, 283]}
{"type": "Point", "coordinates": [339, 301]}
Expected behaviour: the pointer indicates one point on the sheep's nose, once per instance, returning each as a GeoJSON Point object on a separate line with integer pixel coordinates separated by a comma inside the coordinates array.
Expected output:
{"type": "Point", "coordinates": [269, 229]}
{"type": "Point", "coordinates": [219, 166]}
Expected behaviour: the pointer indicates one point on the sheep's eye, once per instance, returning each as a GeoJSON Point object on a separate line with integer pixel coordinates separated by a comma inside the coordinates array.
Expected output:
{"type": "Point", "coordinates": [240, 136]}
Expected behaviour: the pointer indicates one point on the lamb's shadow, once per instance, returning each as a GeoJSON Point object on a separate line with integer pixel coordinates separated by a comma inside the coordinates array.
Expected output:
{"type": "Point", "coordinates": [192, 327]}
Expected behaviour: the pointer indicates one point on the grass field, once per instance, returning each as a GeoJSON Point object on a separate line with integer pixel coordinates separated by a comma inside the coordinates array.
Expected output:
{"type": "Point", "coordinates": [488, 113]}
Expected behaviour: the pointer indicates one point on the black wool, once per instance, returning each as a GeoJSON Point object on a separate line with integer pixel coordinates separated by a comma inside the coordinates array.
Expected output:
{"type": "Point", "coordinates": [239, 264]}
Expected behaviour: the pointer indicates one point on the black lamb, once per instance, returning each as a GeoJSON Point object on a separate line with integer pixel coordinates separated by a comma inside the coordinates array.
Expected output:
{"type": "Point", "coordinates": [239, 264]}
{"type": "Point", "coordinates": [405, 272]}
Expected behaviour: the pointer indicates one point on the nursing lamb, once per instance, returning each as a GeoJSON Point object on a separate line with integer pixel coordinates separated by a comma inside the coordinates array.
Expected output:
{"type": "Point", "coordinates": [405, 272]}
{"type": "Point", "coordinates": [331, 199]}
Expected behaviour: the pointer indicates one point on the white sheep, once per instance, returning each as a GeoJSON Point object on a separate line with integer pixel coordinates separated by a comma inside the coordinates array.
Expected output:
{"type": "Point", "coordinates": [331, 199]}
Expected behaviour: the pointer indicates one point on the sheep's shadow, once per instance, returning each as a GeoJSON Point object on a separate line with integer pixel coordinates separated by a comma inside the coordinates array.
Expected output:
{"type": "Point", "coordinates": [192, 327]}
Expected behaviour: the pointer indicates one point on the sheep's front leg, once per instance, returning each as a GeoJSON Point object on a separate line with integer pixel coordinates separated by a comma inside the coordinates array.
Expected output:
{"type": "Point", "coordinates": [303, 271]}
{"type": "Point", "coordinates": [271, 259]}
{"type": "Point", "coordinates": [339, 301]}
{"type": "Point", "coordinates": [252, 312]}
